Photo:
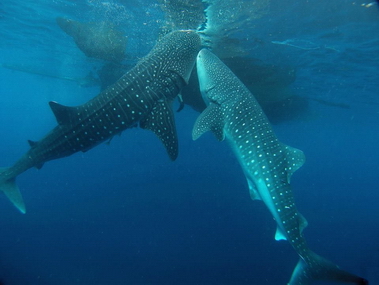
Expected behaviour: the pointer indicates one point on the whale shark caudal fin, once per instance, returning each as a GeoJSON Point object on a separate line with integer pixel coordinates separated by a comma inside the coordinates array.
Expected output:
{"type": "Point", "coordinates": [318, 268]}
{"type": "Point", "coordinates": [11, 190]}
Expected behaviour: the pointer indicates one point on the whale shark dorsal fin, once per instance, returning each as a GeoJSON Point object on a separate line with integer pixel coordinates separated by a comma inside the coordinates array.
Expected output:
{"type": "Point", "coordinates": [295, 159]}
{"type": "Point", "coordinates": [64, 114]}
{"type": "Point", "coordinates": [211, 119]}
{"type": "Point", "coordinates": [161, 122]}
{"type": "Point", "coordinates": [303, 223]}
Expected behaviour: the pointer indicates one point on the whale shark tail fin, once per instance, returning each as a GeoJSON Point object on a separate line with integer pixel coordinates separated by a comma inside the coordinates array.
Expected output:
{"type": "Point", "coordinates": [318, 268]}
{"type": "Point", "coordinates": [10, 189]}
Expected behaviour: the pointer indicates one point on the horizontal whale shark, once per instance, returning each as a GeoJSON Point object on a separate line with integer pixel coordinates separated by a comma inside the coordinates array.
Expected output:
{"type": "Point", "coordinates": [142, 96]}
{"type": "Point", "coordinates": [233, 113]}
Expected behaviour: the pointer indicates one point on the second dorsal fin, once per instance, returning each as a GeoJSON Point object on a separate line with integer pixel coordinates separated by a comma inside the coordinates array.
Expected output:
{"type": "Point", "coordinates": [32, 143]}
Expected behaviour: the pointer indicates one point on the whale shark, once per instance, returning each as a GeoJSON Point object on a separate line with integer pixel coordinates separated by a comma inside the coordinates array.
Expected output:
{"type": "Point", "coordinates": [142, 96]}
{"type": "Point", "coordinates": [97, 40]}
{"type": "Point", "coordinates": [233, 114]}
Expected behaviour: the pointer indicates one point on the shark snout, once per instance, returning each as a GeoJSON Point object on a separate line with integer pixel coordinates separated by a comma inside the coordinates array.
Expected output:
{"type": "Point", "coordinates": [202, 53]}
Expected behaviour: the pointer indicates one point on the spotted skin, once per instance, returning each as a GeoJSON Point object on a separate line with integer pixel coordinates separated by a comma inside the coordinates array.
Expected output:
{"type": "Point", "coordinates": [142, 96]}
{"type": "Point", "coordinates": [234, 114]}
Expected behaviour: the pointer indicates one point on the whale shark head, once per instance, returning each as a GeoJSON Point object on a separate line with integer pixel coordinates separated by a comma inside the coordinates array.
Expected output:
{"type": "Point", "coordinates": [211, 77]}
{"type": "Point", "coordinates": [178, 50]}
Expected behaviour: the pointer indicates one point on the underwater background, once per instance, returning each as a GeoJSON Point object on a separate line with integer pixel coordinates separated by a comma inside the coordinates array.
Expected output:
{"type": "Point", "coordinates": [123, 213]}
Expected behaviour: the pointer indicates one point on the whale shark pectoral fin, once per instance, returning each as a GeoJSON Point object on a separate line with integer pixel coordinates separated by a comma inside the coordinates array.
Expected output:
{"type": "Point", "coordinates": [279, 235]}
{"type": "Point", "coordinates": [64, 114]}
{"type": "Point", "coordinates": [295, 160]}
{"type": "Point", "coordinates": [211, 119]}
{"type": "Point", "coordinates": [254, 194]}
{"type": "Point", "coordinates": [161, 121]}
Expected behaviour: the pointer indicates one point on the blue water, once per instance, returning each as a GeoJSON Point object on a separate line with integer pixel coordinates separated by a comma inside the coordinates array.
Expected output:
{"type": "Point", "coordinates": [125, 214]}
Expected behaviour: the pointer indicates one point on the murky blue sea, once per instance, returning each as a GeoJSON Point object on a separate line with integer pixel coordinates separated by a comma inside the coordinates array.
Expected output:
{"type": "Point", "coordinates": [123, 213]}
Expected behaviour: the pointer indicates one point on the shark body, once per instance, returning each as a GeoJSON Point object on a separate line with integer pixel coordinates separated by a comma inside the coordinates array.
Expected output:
{"type": "Point", "coordinates": [233, 113]}
{"type": "Point", "coordinates": [142, 96]}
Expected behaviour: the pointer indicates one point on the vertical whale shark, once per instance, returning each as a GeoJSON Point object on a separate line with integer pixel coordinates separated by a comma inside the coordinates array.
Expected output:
{"type": "Point", "coordinates": [144, 95]}
{"type": "Point", "coordinates": [234, 114]}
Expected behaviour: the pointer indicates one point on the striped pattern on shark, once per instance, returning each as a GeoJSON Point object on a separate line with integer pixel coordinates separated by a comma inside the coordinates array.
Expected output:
{"type": "Point", "coordinates": [233, 113]}
{"type": "Point", "coordinates": [142, 96]}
